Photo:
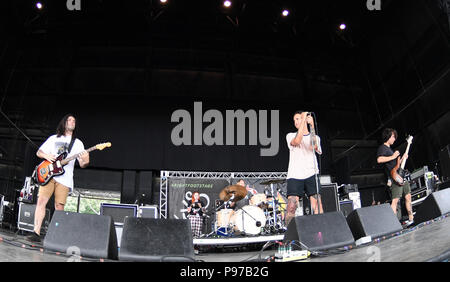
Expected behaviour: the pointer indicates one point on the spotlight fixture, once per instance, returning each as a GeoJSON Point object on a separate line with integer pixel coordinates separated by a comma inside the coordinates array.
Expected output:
{"type": "Point", "coordinates": [227, 4]}
{"type": "Point", "coordinates": [163, 1]}
{"type": "Point", "coordinates": [342, 26]}
{"type": "Point", "coordinates": [285, 13]}
{"type": "Point", "coordinates": [39, 6]}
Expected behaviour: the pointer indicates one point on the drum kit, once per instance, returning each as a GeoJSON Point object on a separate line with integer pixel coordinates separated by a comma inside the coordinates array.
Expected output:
{"type": "Point", "coordinates": [264, 214]}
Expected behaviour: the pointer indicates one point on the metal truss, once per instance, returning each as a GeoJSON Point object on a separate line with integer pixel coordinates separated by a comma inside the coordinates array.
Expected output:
{"type": "Point", "coordinates": [165, 175]}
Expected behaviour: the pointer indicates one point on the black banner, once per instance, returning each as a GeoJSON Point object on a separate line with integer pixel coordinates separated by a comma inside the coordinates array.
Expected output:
{"type": "Point", "coordinates": [180, 192]}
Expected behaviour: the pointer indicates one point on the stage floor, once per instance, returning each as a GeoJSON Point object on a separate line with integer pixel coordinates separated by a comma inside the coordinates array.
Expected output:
{"type": "Point", "coordinates": [430, 242]}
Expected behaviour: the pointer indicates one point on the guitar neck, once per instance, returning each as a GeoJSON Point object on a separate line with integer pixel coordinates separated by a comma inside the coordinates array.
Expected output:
{"type": "Point", "coordinates": [66, 161]}
{"type": "Point", "coordinates": [404, 160]}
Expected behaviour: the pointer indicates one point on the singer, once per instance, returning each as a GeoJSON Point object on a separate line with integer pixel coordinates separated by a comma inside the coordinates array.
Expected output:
{"type": "Point", "coordinates": [303, 166]}
{"type": "Point", "coordinates": [196, 210]}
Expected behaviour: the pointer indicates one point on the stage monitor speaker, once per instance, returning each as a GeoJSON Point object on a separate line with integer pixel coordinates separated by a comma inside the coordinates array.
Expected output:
{"type": "Point", "coordinates": [149, 239]}
{"type": "Point", "coordinates": [91, 235]}
{"type": "Point", "coordinates": [374, 221]}
{"type": "Point", "coordinates": [319, 232]}
{"type": "Point", "coordinates": [435, 205]}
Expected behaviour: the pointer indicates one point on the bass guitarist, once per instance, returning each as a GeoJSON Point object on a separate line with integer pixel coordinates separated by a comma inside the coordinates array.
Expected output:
{"type": "Point", "coordinates": [388, 158]}
{"type": "Point", "coordinates": [63, 141]}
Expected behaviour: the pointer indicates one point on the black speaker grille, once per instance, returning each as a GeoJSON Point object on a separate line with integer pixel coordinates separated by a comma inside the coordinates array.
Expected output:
{"type": "Point", "coordinates": [148, 239]}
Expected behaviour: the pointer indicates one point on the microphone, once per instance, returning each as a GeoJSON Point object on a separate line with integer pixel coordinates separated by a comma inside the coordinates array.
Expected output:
{"type": "Point", "coordinates": [258, 224]}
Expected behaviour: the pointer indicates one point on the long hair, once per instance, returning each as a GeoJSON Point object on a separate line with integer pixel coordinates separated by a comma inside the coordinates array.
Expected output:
{"type": "Point", "coordinates": [193, 193]}
{"type": "Point", "coordinates": [387, 133]}
{"type": "Point", "coordinates": [61, 128]}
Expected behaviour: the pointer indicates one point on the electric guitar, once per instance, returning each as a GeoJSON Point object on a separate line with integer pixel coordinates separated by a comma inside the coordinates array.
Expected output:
{"type": "Point", "coordinates": [398, 173]}
{"type": "Point", "coordinates": [46, 170]}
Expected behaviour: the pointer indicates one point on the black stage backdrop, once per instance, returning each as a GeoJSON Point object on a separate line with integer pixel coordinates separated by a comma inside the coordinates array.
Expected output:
{"type": "Point", "coordinates": [140, 130]}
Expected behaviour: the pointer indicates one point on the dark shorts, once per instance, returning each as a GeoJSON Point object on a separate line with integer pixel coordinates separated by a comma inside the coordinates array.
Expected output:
{"type": "Point", "coordinates": [400, 191]}
{"type": "Point", "coordinates": [298, 187]}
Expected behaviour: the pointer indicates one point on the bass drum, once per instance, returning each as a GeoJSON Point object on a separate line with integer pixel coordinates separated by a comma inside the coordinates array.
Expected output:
{"type": "Point", "coordinates": [224, 217]}
{"type": "Point", "coordinates": [249, 220]}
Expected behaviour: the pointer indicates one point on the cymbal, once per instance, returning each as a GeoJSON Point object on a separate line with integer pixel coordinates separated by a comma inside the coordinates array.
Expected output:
{"type": "Point", "coordinates": [273, 181]}
{"type": "Point", "coordinates": [239, 193]}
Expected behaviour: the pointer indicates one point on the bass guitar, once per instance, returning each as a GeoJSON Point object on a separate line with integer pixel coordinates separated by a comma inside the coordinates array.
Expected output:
{"type": "Point", "coordinates": [46, 170]}
{"type": "Point", "coordinates": [398, 173]}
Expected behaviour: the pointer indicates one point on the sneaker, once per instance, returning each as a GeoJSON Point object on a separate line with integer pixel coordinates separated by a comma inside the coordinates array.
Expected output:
{"type": "Point", "coordinates": [408, 223]}
{"type": "Point", "coordinates": [34, 237]}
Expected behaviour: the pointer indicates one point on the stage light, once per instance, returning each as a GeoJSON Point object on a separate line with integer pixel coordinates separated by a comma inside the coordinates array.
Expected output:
{"type": "Point", "coordinates": [285, 13]}
{"type": "Point", "coordinates": [163, 1]}
{"type": "Point", "coordinates": [39, 5]}
{"type": "Point", "coordinates": [342, 26]}
{"type": "Point", "coordinates": [227, 4]}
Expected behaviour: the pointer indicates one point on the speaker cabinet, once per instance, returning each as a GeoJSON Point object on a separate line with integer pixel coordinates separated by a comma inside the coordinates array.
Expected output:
{"type": "Point", "coordinates": [435, 205]}
{"type": "Point", "coordinates": [90, 235]}
{"type": "Point", "coordinates": [374, 221]}
{"type": "Point", "coordinates": [319, 231]}
{"type": "Point", "coordinates": [149, 239]}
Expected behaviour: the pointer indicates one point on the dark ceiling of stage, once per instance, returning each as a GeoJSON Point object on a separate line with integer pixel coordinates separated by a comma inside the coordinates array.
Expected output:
{"type": "Point", "coordinates": [399, 42]}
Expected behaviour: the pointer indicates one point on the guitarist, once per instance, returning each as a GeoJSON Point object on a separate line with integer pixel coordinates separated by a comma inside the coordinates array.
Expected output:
{"type": "Point", "coordinates": [386, 156]}
{"type": "Point", "coordinates": [61, 185]}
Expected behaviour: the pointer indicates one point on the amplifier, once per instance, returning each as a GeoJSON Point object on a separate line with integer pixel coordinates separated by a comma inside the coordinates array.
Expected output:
{"type": "Point", "coordinates": [419, 172]}
{"type": "Point", "coordinates": [418, 196]}
{"type": "Point", "coordinates": [330, 198]}
{"type": "Point", "coordinates": [25, 219]}
{"type": "Point", "coordinates": [148, 211]}
{"type": "Point", "coordinates": [325, 179]}
{"type": "Point", "coordinates": [423, 178]}
{"type": "Point", "coordinates": [346, 207]}
{"type": "Point", "coordinates": [118, 211]}
{"type": "Point", "coordinates": [29, 191]}
{"type": "Point", "coordinates": [356, 198]}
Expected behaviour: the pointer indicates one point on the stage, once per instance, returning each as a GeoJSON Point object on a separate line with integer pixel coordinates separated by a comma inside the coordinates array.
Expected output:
{"type": "Point", "coordinates": [429, 241]}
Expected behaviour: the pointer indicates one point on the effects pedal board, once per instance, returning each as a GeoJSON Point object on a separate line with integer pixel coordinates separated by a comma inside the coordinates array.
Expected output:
{"type": "Point", "coordinates": [287, 254]}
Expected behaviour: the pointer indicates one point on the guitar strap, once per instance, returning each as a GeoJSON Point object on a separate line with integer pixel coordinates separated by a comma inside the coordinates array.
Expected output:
{"type": "Point", "coordinates": [70, 145]}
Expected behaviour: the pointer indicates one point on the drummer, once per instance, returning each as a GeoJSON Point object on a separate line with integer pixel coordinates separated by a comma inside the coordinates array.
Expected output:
{"type": "Point", "coordinates": [250, 191]}
{"type": "Point", "coordinates": [245, 201]}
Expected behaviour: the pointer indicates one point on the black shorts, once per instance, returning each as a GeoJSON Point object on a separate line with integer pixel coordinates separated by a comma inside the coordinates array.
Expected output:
{"type": "Point", "coordinates": [298, 187]}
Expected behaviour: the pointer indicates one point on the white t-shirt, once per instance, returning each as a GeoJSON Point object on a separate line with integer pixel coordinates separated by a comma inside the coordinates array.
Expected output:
{"type": "Point", "coordinates": [302, 159]}
{"type": "Point", "coordinates": [58, 145]}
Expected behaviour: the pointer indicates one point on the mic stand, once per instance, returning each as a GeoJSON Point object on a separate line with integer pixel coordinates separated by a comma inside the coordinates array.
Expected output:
{"type": "Point", "coordinates": [313, 143]}
{"type": "Point", "coordinates": [274, 207]}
